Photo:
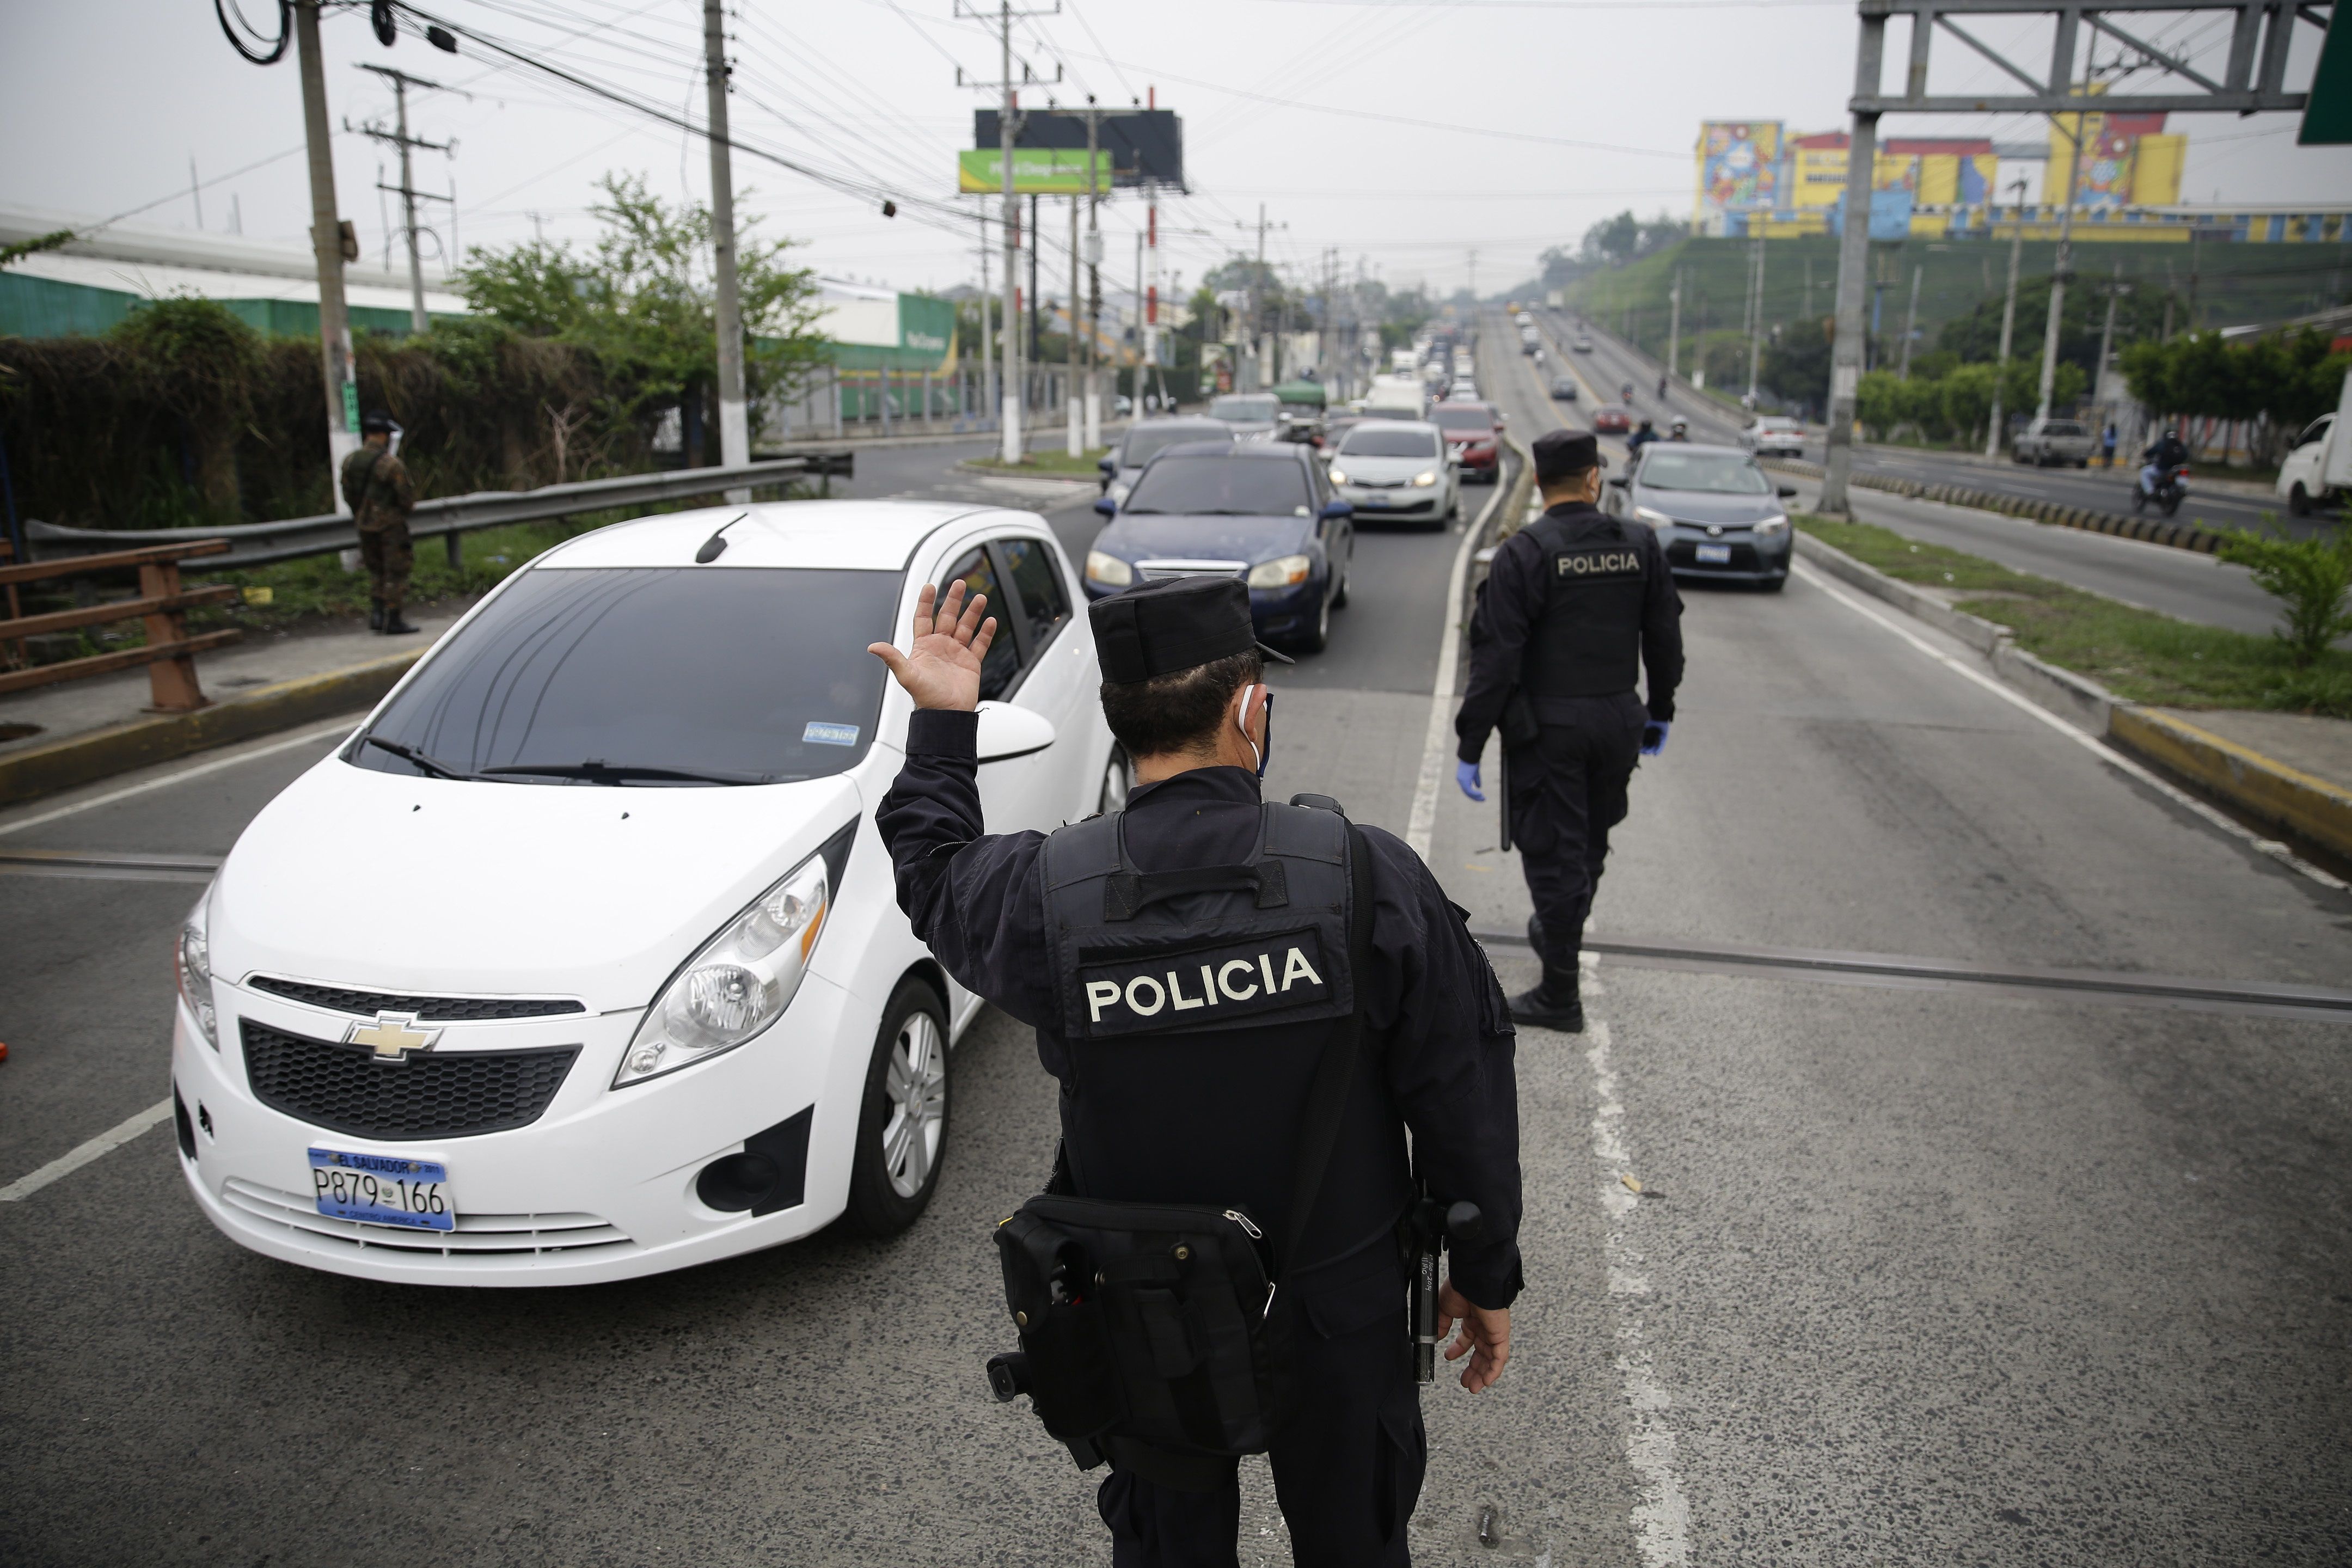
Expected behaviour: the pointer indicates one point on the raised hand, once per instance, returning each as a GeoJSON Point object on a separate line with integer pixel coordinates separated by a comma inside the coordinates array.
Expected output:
{"type": "Point", "coordinates": [941, 667]}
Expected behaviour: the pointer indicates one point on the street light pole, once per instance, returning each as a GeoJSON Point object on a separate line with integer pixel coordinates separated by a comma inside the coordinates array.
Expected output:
{"type": "Point", "coordinates": [1854, 264]}
{"type": "Point", "coordinates": [2060, 268]}
{"type": "Point", "coordinates": [2007, 325]}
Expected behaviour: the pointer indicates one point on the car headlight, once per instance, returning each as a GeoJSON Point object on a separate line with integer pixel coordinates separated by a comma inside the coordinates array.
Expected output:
{"type": "Point", "coordinates": [1288, 572]}
{"type": "Point", "coordinates": [193, 962]}
{"type": "Point", "coordinates": [1338, 478]}
{"type": "Point", "coordinates": [1108, 570]}
{"type": "Point", "coordinates": [1423, 480]}
{"type": "Point", "coordinates": [741, 980]}
{"type": "Point", "coordinates": [1653, 516]}
{"type": "Point", "coordinates": [1770, 526]}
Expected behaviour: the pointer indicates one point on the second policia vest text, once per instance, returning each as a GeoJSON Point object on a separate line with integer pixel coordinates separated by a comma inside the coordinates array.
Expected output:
{"type": "Point", "coordinates": [1588, 642]}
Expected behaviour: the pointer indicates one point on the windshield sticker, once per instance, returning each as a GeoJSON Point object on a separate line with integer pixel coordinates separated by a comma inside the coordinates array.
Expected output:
{"type": "Point", "coordinates": [820, 733]}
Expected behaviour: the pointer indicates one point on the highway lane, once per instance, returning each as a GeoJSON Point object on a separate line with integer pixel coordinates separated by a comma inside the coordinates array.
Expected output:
{"type": "Point", "coordinates": [2104, 489]}
{"type": "Point", "coordinates": [1926, 1274]}
{"type": "Point", "coordinates": [2177, 581]}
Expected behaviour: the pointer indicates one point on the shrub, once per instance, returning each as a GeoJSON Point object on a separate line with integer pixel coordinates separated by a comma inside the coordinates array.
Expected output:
{"type": "Point", "coordinates": [2311, 578]}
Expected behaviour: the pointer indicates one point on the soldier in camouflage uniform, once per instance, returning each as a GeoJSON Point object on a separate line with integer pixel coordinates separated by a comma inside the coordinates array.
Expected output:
{"type": "Point", "coordinates": [376, 484]}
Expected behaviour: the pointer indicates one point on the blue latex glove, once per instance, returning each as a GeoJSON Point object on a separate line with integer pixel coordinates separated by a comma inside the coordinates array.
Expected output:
{"type": "Point", "coordinates": [1467, 775]}
{"type": "Point", "coordinates": [1653, 736]}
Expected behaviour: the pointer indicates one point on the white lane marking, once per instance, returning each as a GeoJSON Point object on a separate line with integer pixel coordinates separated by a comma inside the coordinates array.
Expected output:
{"type": "Point", "coordinates": [1661, 1518]}
{"type": "Point", "coordinates": [2097, 748]}
{"type": "Point", "coordinates": [300, 738]}
{"type": "Point", "coordinates": [1436, 742]}
{"type": "Point", "coordinates": [106, 1143]}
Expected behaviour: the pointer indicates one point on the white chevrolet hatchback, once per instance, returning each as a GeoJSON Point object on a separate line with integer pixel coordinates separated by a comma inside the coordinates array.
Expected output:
{"type": "Point", "coordinates": [580, 959]}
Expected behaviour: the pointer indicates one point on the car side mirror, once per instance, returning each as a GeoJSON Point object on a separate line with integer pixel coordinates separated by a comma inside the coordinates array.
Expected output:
{"type": "Point", "coordinates": [1619, 481]}
{"type": "Point", "coordinates": [1334, 508]}
{"type": "Point", "coordinates": [1108, 465]}
{"type": "Point", "coordinates": [1784, 491]}
{"type": "Point", "coordinates": [1007, 731]}
{"type": "Point", "coordinates": [1106, 507]}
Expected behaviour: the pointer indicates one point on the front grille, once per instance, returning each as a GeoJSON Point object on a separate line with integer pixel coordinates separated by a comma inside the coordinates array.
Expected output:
{"type": "Point", "coordinates": [429, 1009]}
{"type": "Point", "coordinates": [1162, 571]}
{"type": "Point", "coordinates": [480, 1240]}
{"type": "Point", "coordinates": [1684, 553]}
{"type": "Point", "coordinates": [431, 1094]}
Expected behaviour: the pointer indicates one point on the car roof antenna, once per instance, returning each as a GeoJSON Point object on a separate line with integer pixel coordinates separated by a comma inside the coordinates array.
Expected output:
{"type": "Point", "coordinates": [716, 545]}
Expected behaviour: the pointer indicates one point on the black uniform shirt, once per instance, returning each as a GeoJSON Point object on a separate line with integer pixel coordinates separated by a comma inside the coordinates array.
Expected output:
{"type": "Point", "coordinates": [1514, 601]}
{"type": "Point", "coordinates": [978, 901]}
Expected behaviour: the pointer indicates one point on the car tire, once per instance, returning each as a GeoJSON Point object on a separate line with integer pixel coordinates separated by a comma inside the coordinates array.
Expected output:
{"type": "Point", "coordinates": [2298, 500]}
{"type": "Point", "coordinates": [903, 1116]}
{"type": "Point", "coordinates": [1340, 593]}
{"type": "Point", "coordinates": [1318, 637]}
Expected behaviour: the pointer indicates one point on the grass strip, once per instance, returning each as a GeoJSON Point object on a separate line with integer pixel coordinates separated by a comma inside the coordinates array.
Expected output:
{"type": "Point", "coordinates": [2138, 654]}
{"type": "Point", "coordinates": [1056, 461]}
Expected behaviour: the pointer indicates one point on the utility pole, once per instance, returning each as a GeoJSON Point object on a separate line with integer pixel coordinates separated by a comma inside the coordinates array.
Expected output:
{"type": "Point", "coordinates": [1911, 322]}
{"type": "Point", "coordinates": [2107, 334]}
{"type": "Point", "coordinates": [1474, 285]}
{"type": "Point", "coordinates": [1094, 281]}
{"type": "Point", "coordinates": [1008, 128]}
{"type": "Point", "coordinates": [734, 409]}
{"type": "Point", "coordinates": [327, 245]}
{"type": "Point", "coordinates": [2007, 324]}
{"type": "Point", "coordinates": [1853, 263]}
{"type": "Point", "coordinates": [406, 190]}
{"type": "Point", "coordinates": [1674, 325]}
{"type": "Point", "coordinates": [987, 351]}
{"type": "Point", "coordinates": [2060, 268]}
{"type": "Point", "coordinates": [1078, 435]}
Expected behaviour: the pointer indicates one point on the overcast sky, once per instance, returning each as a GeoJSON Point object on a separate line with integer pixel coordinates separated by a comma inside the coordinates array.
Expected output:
{"type": "Point", "coordinates": [1406, 136]}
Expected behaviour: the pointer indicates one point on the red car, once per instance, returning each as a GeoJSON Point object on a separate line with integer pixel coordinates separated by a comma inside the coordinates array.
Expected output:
{"type": "Point", "coordinates": [1473, 433]}
{"type": "Point", "coordinates": [1612, 419]}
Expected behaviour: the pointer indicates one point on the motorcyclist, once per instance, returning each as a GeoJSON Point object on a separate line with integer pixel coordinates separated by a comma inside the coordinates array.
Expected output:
{"type": "Point", "coordinates": [1662, 388]}
{"type": "Point", "coordinates": [1680, 431]}
{"type": "Point", "coordinates": [1642, 437]}
{"type": "Point", "coordinates": [2163, 457]}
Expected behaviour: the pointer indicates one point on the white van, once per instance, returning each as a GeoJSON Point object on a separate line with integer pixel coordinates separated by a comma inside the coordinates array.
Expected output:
{"type": "Point", "coordinates": [1397, 397]}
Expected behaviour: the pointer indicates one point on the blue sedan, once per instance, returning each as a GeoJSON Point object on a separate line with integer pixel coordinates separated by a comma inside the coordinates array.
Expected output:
{"type": "Point", "coordinates": [1262, 514]}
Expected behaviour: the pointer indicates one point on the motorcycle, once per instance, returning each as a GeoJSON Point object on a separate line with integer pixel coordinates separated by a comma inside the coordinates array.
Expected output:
{"type": "Point", "coordinates": [2166, 487]}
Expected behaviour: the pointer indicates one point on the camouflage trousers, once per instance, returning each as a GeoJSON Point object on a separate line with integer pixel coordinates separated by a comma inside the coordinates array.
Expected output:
{"type": "Point", "coordinates": [387, 556]}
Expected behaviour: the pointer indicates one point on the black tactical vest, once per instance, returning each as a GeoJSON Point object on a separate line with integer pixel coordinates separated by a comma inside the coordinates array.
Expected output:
{"type": "Point", "coordinates": [1588, 642]}
{"type": "Point", "coordinates": [1196, 1004]}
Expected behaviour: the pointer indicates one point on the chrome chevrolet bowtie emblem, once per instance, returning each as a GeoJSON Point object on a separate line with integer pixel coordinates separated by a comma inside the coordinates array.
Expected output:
{"type": "Point", "coordinates": [391, 1037]}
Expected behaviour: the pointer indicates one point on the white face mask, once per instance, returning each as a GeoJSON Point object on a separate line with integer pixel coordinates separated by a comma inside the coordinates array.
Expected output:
{"type": "Point", "coordinates": [1251, 698]}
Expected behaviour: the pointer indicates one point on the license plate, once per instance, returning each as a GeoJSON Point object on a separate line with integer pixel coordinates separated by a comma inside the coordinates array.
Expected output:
{"type": "Point", "coordinates": [383, 1189]}
{"type": "Point", "coordinates": [1714, 555]}
{"type": "Point", "coordinates": [1375, 504]}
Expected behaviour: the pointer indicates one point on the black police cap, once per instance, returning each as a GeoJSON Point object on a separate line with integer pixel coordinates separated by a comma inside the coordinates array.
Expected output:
{"type": "Point", "coordinates": [1158, 629]}
{"type": "Point", "coordinates": [1564, 453]}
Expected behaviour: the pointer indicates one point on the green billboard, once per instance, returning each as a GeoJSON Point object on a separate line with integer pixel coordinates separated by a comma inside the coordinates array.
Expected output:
{"type": "Point", "coordinates": [1037, 171]}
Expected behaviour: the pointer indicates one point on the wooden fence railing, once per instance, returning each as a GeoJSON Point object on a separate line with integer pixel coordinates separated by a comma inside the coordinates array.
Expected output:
{"type": "Point", "coordinates": [161, 604]}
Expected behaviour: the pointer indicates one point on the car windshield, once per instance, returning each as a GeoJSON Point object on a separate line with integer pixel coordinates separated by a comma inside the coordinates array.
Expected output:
{"type": "Point", "coordinates": [1252, 409]}
{"type": "Point", "coordinates": [691, 675]}
{"type": "Point", "coordinates": [1462, 419]}
{"type": "Point", "coordinates": [2061, 427]}
{"type": "Point", "coordinates": [1223, 487]}
{"type": "Point", "coordinates": [1389, 443]}
{"type": "Point", "coordinates": [1776, 424]}
{"type": "Point", "coordinates": [1718, 473]}
{"type": "Point", "coordinates": [1146, 442]}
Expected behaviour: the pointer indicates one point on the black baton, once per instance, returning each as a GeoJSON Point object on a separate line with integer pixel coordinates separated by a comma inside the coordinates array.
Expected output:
{"type": "Point", "coordinates": [1433, 1224]}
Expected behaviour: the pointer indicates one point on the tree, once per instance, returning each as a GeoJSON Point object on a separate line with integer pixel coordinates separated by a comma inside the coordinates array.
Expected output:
{"type": "Point", "coordinates": [1976, 336]}
{"type": "Point", "coordinates": [2289, 381]}
{"type": "Point", "coordinates": [200, 358]}
{"type": "Point", "coordinates": [646, 300]}
{"type": "Point", "coordinates": [2310, 579]}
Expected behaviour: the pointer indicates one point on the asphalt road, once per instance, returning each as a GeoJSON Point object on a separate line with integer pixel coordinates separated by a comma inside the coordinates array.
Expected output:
{"type": "Point", "coordinates": [2178, 583]}
{"type": "Point", "coordinates": [1919, 1273]}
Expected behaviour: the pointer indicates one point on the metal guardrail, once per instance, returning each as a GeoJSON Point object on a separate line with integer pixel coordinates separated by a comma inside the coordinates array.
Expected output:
{"type": "Point", "coordinates": [446, 517]}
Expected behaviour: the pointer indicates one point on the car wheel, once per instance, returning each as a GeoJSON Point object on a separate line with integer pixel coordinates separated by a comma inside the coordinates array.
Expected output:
{"type": "Point", "coordinates": [2298, 500]}
{"type": "Point", "coordinates": [1118, 781]}
{"type": "Point", "coordinates": [1319, 638]}
{"type": "Point", "coordinates": [1340, 593]}
{"type": "Point", "coordinates": [902, 1124]}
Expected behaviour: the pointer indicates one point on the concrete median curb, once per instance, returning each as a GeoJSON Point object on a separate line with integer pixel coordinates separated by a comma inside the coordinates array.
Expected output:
{"type": "Point", "coordinates": [76, 759]}
{"type": "Point", "coordinates": [2255, 786]}
{"type": "Point", "coordinates": [2150, 531]}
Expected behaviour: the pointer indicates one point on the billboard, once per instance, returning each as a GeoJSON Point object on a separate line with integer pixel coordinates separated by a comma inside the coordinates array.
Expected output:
{"type": "Point", "coordinates": [1144, 144]}
{"type": "Point", "coordinates": [1037, 171]}
{"type": "Point", "coordinates": [1739, 166]}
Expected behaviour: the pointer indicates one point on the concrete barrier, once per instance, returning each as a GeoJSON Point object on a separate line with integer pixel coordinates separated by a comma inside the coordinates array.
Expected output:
{"type": "Point", "coordinates": [2151, 530]}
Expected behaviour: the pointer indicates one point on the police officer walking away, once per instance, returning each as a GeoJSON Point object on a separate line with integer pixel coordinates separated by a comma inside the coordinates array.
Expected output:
{"type": "Point", "coordinates": [1575, 607]}
{"type": "Point", "coordinates": [1247, 1006]}
{"type": "Point", "coordinates": [380, 495]}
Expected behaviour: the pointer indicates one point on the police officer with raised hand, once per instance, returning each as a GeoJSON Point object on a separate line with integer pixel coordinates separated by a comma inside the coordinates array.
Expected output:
{"type": "Point", "coordinates": [1247, 1006]}
{"type": "Point", "coordinates": [1576, 605]}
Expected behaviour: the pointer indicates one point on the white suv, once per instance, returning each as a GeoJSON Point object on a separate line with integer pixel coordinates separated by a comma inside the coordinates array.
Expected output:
{"type": "Point", "coordinates": [582, 959]}
{"type": "Point", "coordinates": [1775, 435]}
